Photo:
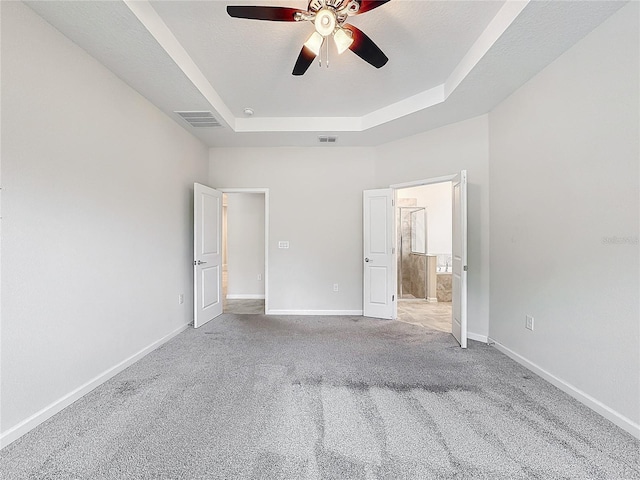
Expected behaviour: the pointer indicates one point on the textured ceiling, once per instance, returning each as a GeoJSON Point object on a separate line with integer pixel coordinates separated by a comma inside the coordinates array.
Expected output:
{"type": "Point", "coordinates": [448, 61]}
{"type": "Point", "coordinates": [414, 35]}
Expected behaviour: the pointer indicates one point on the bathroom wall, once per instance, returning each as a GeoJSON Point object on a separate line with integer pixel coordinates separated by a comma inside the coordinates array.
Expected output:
{"type": "Point", "coordinates": [436, 198]}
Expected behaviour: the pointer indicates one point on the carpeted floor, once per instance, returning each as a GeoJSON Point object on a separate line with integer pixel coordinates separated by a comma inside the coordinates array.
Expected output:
{"type": "Point", "coordinates": [249, 396]}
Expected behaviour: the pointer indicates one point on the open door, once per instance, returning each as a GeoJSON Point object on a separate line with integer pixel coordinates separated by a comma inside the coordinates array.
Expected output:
{"type": "Point", "coordinates": [207, 254]}
{"type": "Point", "coordinates": [379, 256]}
{"type": "Point", "coordinates": [459, 300]}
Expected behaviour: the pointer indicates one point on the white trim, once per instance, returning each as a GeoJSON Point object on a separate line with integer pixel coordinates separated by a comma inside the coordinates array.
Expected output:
{"type": "Point", "coordinates": [315, 312]}
{"type": "Point", "coordinates": [245, 296]}
{"type": "Point", "coordinates": [427, 181]}
{"type": "Point", "coordinates": [487, 39]}
{"type": "Point", "coordinates": [477, 337]}
{"type": "Point", "coordinates": [49, 411]}
{"type": "Point", "coordinates": [243, 190]}
{"type": "Point", "coordinates": [264, 191]}
{"type": "Point", "coordinates": [596, 405]}
{"type": "Point", "coordinates": [432, 299]}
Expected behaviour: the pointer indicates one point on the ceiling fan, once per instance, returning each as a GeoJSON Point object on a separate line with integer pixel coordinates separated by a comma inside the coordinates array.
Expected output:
{"type": "Point", "coordinates": [328, 17]}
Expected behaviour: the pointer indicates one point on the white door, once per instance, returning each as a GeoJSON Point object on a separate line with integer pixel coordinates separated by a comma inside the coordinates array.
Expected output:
{"type": "Point", "coordinates": [207, 254]}
{"type": "Point", "coordinates": [459, 300]}
{"type": "Point", "coordinates": [379, 258]}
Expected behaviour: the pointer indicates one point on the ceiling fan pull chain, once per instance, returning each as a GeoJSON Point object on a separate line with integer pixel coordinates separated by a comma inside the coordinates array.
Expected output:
{"type": "Point", "coordinates": [327, 42]}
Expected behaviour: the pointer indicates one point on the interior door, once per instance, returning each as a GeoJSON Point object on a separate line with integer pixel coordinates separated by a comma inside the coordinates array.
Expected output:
{"type": "Point", "coordinates": [379, 256]}
{"type": "Point", "coordinates": [207, 254]}
{"type": "Point", "coordinates": [459, 300]}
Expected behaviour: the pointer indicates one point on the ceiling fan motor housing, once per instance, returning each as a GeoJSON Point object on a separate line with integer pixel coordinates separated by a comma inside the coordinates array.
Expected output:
{"type": "Point", "coordinates": [325, 22]}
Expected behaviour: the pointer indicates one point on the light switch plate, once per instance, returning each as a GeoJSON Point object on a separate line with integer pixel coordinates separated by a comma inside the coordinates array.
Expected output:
{"type": "Point", "coordinates": [529, 322]}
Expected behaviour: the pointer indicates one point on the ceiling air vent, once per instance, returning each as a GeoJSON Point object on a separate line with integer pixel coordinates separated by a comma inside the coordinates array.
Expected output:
{"type": "Point", "coordinates": [200, 119]}
{"type": "Point", "coordinates": [327, 139]}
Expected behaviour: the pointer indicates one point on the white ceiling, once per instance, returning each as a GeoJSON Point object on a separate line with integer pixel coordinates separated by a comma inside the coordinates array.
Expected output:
{"type": "Point", "coordinates": [448, 61]}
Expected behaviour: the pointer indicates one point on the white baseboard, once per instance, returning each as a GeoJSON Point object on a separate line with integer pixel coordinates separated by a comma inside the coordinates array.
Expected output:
{"type": "Point", "coordinates": [432, 299]}
{"type": "Point", "coordinates": [314, 312]}
{"type": "Point", "coordinates": [245, 296]}
{"type": "Point", "coordinates": [594, 404]}
{"type": "Point", "coordinates": [49, 411]}
{"type": "Point", "coordinates": [477, 337]}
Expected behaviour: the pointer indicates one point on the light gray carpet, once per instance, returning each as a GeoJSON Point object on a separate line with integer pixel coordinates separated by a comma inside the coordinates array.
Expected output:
{"type": "Point", "coordinates": [323, 397]}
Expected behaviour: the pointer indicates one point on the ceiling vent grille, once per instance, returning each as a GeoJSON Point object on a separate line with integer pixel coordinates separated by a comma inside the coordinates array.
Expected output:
{"type": "Point", "coordinates": [327, 139]}
{"type": "Point", "coordinates": [200, 119]}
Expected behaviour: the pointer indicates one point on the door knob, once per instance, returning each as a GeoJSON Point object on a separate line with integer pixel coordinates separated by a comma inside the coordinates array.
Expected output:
{"type": "Point", "coordinates": [198, 262]}
{"type": "Point", "coordinates": [367, 260]}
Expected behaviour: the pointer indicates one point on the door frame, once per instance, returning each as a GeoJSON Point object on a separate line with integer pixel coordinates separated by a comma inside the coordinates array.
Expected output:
{"type": "Point", "coordinates": [264, 191]}
{"type": "Point", "coordinates": [418, 183]}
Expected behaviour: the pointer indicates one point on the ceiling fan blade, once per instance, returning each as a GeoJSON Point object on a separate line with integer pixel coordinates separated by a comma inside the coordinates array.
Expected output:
{"type": "Point", "coordinates": [366, 5]}
{"type": "Point", "coordinates": [364, 47]}
{"type": "Point", "coordinates": [305, 59]}
{"type": "Point", "coordinates": [277, 14]}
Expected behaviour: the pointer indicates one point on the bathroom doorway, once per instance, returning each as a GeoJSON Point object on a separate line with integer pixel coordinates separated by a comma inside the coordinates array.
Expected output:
{"type": "Point", "coordinates": [244, 254]}
{"type": "Point", "coordinates": [424, 219]}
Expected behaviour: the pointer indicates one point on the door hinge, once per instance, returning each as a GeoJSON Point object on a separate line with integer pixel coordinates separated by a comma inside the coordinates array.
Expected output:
{"type": "Point", "coordinates": [464, 268]}
{"type": "Point", "coordinates": [393, 298]}
{"type": "Point", "coordinates": [393, 203]}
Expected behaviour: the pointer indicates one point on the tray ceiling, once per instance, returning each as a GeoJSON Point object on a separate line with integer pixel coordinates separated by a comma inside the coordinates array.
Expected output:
{"type": "Point", "coordinates": [448, 61]}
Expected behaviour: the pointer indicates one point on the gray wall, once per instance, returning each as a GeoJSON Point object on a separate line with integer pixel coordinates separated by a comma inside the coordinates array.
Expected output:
{"type": "Point", "coordinates": [97, 218]}
{"type": "Point", "coordinates": [564, 182]}
{"type": "Point", "coordinates": [315, 199]}
{"type": "Point", "coordinates": [316, 204]}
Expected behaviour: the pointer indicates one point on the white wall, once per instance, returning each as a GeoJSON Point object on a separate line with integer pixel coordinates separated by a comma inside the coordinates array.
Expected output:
{"type": "Point", "coordinates": [245, 245]}
{"type": "Point", "coordinates": [97, 214]}
{"type": "Point", "coordinates": [315, 203]}
{"type": "Point", "coordinates": [437, 199]}
{"type": "Point", "coordinates": [564, 181]}
{"type": "Point", "coordinates": [445, 151]}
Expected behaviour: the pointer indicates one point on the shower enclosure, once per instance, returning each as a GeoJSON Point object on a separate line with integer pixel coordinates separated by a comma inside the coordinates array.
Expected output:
{"type": "Point", "coordinates": [412, 254]}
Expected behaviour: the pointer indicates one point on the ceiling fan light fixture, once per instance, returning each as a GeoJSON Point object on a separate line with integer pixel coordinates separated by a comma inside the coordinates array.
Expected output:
{"type": "Point", "coordinates": [343, 40]}
{"type": "Point", "coordinates": [329, 20]}
{"type": "Point", "coordinates": [325, 22]}
{"type": "Point", "coordinates": [314, 43]}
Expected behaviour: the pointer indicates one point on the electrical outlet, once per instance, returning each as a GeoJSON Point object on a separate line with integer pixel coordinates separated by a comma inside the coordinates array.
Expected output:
{"type": "Point", "coordinates": [529, 322]}
{"type": "Point", "coordinates": [335, 287]}
{"type": "Point", "coordinates": [259, 277]}
{"type": "Point", "coordinates": [180, 298]}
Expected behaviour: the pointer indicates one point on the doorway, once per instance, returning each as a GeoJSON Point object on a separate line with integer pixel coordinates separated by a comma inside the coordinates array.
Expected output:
{"type": "Point", "coordinates": [245, 256]}
{"type": "Point", "coordinates": [424, 219]}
